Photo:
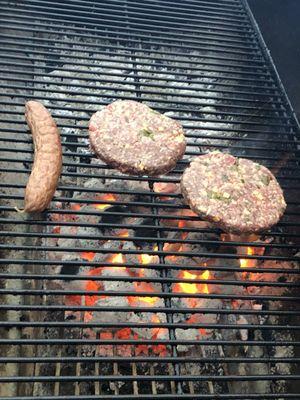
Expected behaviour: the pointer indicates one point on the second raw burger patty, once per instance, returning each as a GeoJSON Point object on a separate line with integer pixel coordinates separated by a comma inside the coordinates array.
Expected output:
{"type": "Point", "coordinates": [236, 194]}
{"type": "Point", "coordinates": [134, 139]}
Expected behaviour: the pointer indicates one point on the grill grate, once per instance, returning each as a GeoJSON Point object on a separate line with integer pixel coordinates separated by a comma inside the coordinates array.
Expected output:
{"type": "Point", "coordinates": [77, 323]}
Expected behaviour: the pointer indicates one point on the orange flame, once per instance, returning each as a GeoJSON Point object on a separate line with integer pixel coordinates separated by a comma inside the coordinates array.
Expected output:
{"type": "Point", "coordinates": [193, 288]}
{"type": "Point", "coordinates": [143, 287]}
{"type": "Point", "coordinates": [146, 258]}
{"type": "Point", "coordinates": [182, 224]}
{"type": "Point", "coordinates": [157, 332]}
{"type": "Point", "coordinates": [105, 197]}
{"type": "Point", "coordinates": [206, 276]}
{"type": "Point", "coordinates": [117, 259]}
{"type": "Point", "coordinates": [247, 263]}
{"type": "Point", "coordinates": [188, 287]}
{"type": "Point", "coordinates": [91, 286]}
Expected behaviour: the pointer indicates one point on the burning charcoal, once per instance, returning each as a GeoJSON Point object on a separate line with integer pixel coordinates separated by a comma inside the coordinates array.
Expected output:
{"type": "Point", "coordinates": [76, 241]}
{"type": "Point", "coordinates": [143, 198]}
{"type": "Point", "coordinates": [113, 219]}
{"type": "Point", "coordinates": [273, 277]}
{"type": "Point", "coordinates": [150, 333]}
{"type": "Point", "coordinates": [227, 276]}
{"type": "Point", "coordinates": [142, 260]}
{"type": "Point", "coordinates": [145, 233]}
{"type": "Point", "coordinates": [69, 269]}
{"type": "Point", "coordinates": [112, 316]}
{"type": "Point", "coordinates": [114, 301]}
{"type": "Point", "coordinates": [85, 160]}
{"type": "Point", "coordinates": [199, 248]}
{"type": "Point", "coordinates": [195, 222]}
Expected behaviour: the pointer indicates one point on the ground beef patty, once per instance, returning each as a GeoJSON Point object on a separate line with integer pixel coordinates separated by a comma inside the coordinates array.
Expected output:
{"type": "Point", "coordinates": [135, 139]}
{"type": "Point", "coordinates": [236, 194]}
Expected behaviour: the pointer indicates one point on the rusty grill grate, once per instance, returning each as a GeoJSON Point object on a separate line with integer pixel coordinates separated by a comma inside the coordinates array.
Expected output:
{"type": "Point", "coordinates": [117, 290]}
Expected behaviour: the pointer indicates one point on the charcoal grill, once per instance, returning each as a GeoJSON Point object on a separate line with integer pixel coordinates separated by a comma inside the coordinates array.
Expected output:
{"type": "Point", "coordinates": [233, 331]}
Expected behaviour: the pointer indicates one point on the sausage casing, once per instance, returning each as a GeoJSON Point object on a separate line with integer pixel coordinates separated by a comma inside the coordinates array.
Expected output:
{"type": "Point", "coordinates": [47, 164]}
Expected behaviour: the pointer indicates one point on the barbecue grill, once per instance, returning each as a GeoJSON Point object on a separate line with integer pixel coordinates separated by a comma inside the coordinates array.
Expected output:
{"type": "Point", "coordinates": [118, 291]}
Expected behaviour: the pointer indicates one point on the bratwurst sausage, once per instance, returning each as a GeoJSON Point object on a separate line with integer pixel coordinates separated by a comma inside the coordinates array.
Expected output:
{"type": "Point", "coordinates": [47, 164]}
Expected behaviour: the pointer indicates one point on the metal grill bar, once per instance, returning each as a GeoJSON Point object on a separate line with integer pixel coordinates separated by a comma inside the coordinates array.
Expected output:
{"type": "Point", "coordinates": [176, 342]}
{"type": "Point", "coordinates": [145, 359]}
{"type": "Point", "coordinates": [87, 36]}
{"type": "Point", "coordinates": [251, 93]}
{"type": "Point", "coordinates": [166, 396]}
{"type": "Point", "coordinates": [157, 378]}
{"type": "Point", "coordinates": [37, 13]}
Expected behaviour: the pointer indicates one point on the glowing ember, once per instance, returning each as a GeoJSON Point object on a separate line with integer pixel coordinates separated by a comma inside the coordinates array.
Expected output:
{"type": "Point", "coordinates": [172, 247]}
{"type": "Point", "coordinates": [182, 224]}
{"type": "Point", "coordinates": [146, 258]}
{"type": "Point", "coordinates": [124, 333]}
{"type": "Point", "coordinates": [143, 287]}
{"type": "Point", "coordinates": [188, 287]}
{"type": "Point", "coordinates": [246, 263]}
{"type": "Point", "coordinates": [123, 233]}
{"type": "Point", "coordinates": [89, 256]}
{"type": "Point", "coordinates": [193, 288]}
{"type": "Point", "coordinates": [91, 286]}
{"type": "Point", "coordinates": [157, 332]}
{"type": "Point", "coordinates": [105, 197]}
{"type": "Point", "coordinates": [206, 276]}
{"type": "Point", "coordinates": [75, 207]}
{"type": "Point", "coordinates": [117, 259]}
{"type": "Point", "coordinates": [56, 229]}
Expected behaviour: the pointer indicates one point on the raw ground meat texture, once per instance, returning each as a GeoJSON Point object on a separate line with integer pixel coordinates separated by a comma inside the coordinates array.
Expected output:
{"type": "Point", "coordinates": [236, 194]}
{"type": "Point", "coordinates": [135, 139]}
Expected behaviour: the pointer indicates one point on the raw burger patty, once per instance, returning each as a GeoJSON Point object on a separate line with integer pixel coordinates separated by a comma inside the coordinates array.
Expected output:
{"type": "Point", "coordinates": [133, 138]}
{"type": "Point", "coordinates": [236, 194]}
